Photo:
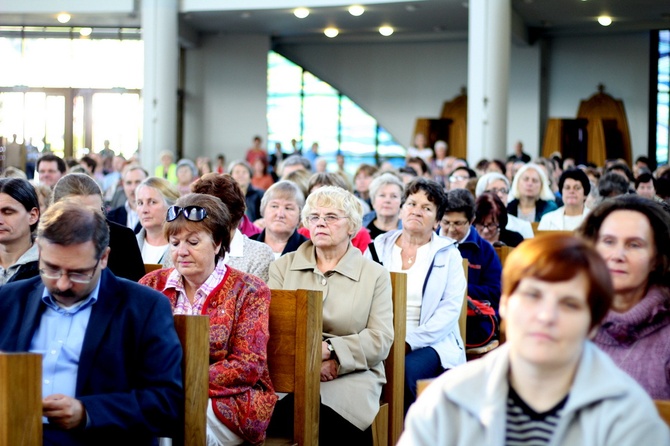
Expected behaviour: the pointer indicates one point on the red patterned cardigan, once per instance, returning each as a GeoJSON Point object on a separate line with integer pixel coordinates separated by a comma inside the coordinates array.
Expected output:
{"type": "Point", "coordinates": [239, 380]}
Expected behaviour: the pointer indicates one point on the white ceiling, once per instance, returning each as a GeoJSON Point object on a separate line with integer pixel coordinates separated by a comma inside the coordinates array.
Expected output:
{"type": "Point", "coordinates": [433, 19]}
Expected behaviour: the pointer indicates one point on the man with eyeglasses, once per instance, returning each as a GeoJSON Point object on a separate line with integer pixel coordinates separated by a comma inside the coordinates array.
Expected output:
{"type": "Point", "coordinates": [111, 368]}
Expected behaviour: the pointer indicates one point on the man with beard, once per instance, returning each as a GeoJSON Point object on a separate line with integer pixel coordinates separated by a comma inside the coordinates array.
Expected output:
{"type": "Point", "coordinates": [111, 367]}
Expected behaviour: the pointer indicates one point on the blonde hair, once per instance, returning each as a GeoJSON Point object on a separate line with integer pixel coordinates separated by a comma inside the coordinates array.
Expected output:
{"type": "Point", "coordinates": [167, 190]}
{"type": "Point", "coordinates": [545, 191]}
{"type": "Point", "coordinates": [335, 198]}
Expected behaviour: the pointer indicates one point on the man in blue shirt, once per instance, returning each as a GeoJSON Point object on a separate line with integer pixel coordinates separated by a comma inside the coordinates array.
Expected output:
{"type": "Point", "coordinates": [111, 369]}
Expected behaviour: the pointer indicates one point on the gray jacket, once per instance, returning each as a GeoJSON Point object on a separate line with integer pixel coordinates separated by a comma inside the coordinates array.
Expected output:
{"type": "Point", "coordinates": [467, 406]}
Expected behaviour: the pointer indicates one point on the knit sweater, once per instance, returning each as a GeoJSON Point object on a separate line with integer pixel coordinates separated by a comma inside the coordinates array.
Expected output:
{"type": "Point", "coordinates": [639, 341]}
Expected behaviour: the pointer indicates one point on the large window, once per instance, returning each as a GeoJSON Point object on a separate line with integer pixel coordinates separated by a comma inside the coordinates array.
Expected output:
{"type": "Point", "coordinates": [303, 107]}
{"type": "Point", "coordinates": [69, 95]}
{"type": "Point", "coordinates": [663, 98]}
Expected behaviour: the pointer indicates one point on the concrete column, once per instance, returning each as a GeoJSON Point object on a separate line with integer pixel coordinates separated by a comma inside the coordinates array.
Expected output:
{"type": "Point", "coordinates": [489, 40]}
{"type": "Point", "coordinates": [161, 65]}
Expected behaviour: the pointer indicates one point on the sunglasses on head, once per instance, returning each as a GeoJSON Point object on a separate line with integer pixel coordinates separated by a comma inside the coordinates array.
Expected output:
{"type": "Point", "coordinates": [191, 213]}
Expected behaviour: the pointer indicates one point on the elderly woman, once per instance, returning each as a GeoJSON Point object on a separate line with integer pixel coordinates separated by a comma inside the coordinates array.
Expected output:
{"type": "Point", "coordinates": [386, 194]}
{"type": "Point", "coordinates": [357, 314]}
{"type": "Point", "coordinates": [491, 221]}
{"type": "Point", "coordinates": [575, 187]}
{"type": "Point", "coordinates": [434, 268]}
{"type": "Point", "coordinates": [20, 210]}
{"type": "Point", "coordinates": [154, 196]}
{"type": "Point", "coordinates": [241, 394]}
{"type": "Point", "coordinates": [632, 234]}
{"type": "Point", "coordinates": [531, 195]}
{"type": "Point", "coordinates": [187, 172]}
{"type": "Point", "coordinates": [548, 381]}
{"type": "Point", "coordinates": [244, 254]}
{"type": "Point", "coordinates": [484, 267]}
{"type": "Point", "coordinates": [242, 172]}
{"type": "Point", "coordinates": [498, 184]}
{"type": "Point", "coordinates": [280, 207]}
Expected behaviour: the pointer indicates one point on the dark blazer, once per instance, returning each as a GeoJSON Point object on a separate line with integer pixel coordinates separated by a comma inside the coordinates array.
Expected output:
{"type": "Point", "coordinates": [292, 244]}
{"type": "Point", "coordinates": [120, 216]}
{"type": "Point", "coordinates": [129, 375]}
{"type": "Point", "coordinates": [125, 258]}
{"type": "Point", "coordinates": [253, 201]}
{"type": "Point", "coordinates": [541, 208]}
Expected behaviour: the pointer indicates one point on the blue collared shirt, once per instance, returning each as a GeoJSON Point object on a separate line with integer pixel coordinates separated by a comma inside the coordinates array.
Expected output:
{"type": "Point", "coordinates": [59, 339]}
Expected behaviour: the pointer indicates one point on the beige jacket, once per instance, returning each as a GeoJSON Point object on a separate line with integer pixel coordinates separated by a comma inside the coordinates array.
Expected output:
{"type": "Point", "coordinates": [357, 318]}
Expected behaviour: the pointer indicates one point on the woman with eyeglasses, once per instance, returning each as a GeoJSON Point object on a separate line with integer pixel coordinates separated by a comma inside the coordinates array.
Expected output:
{"type": "Point", "coordinates": [548, 383]}
{"type": "Point", "coordinates": [241, 395]}
{"type": "Point", "coordinates": [357, 314]}
{"type": "Point", "coordinates": [491, 221]}
{"type": "Point", "coordinates": [498, 184]}
{"type": "Point", "coordinates": [575, 187]}
{"type": "Point", "coordinates": [434, 268]}
{"type": "Point", "coordinates": [153, 196]}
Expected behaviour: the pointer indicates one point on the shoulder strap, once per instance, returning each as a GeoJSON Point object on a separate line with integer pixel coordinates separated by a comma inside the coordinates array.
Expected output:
{"type": "Point", "coordinates": [373, 253]}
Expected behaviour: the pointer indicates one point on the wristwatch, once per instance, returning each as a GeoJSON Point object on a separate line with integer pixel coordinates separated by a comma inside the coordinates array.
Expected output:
{"type": "Point", "coordinates": [331, 349]}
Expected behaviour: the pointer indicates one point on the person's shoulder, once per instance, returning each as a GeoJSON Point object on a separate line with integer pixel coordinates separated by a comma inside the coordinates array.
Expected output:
{"type": "Point", "coordinates": [248, 281]}
{"type": "Point", "coordinates": [13, 291]}
{"type": "Point", "coordinates": [257, 248]}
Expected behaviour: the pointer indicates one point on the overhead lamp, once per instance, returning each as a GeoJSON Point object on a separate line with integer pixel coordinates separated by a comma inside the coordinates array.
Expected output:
{"type": "Point", "coordinates": [85, 32]}
{"type": "Point", "coordinates": [605, 20]}
{"type": "Point", "coordinates": [331, 32]}
{"type": "Point", "coordinates": [63, 17]}
{"type": "Point", "coordinates": [301, 13]}
{"type": "Point", "coordinates": [385, 30]}
{"type": "Point", "coordinates": [356, 10]}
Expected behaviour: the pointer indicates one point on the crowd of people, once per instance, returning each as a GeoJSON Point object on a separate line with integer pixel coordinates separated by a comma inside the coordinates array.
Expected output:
{"type": "Point", "coordinates": [587, 308]}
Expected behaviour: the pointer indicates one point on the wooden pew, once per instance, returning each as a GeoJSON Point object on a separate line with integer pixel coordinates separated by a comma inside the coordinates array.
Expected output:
{"type": "Point", "coordinates": [20, 399]}
{"type": "Point", "coordinates": [193, 332]}
{"type": "Point", "coordinates": [387, 425]}
{"type": "Point", "coordinates": [149, 267]}
{"type": "Point", "coordinates": [663, 407]}
{"type": "Point", "coordinates": [503, 252]}
{"type": "Point", "coordinates": [294, 359]}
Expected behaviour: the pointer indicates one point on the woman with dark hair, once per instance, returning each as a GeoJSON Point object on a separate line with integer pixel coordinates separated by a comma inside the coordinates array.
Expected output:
{"type": "Point", "coordinates": [19, 214]}
{"type": "Point", "coordinates": [241, 394]}
{"type": "Point", "coordinates": [491, 221]}
{"type": "Point", "coordinates": [434, 268]}
{"type": "Point", "coordinates": [574, 186]}
{"type": "Point", "coordinates": [548, 382]}
{"type": "Point", "coordinates": [245, 254]}
{"type": "Point", "coordinates": [241, 171]}
{"type": "Point", "coordinates": [632, 234]}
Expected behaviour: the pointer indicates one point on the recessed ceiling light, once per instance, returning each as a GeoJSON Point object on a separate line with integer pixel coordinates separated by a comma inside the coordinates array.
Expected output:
{"type": "Point", "coordinates": [85, 32]}
{"type": "Point", "coordinates": [301, 13]}
{"type": "Point", "coordinates": [385, 30]}
{"type": "Point", "coordinates": [64, 17]}
{"type": "Point", "coordinates": [331, 32]}
{"type": "Point", "coordinates": [605, 20]}
{"type": "Point", "coordinates": [356, 10]}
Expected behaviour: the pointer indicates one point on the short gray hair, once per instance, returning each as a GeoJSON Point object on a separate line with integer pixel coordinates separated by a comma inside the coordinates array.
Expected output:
{"type": "Point", "coordinates": [335, 198]}
{"type": "Point", "coordinates": [384, 179]}
{"type": "Point", "coordinates": [285, 189]}
{"type": "Point", "coordinates": [487, 179]}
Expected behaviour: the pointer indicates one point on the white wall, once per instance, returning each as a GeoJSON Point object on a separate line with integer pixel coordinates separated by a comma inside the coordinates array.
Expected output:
{"type": "Point", "coordinates": [225, 95]}
{"type": "Point", "coordinates": [620, 62]}
{"type": "Point", "coordinates": [397, 83]}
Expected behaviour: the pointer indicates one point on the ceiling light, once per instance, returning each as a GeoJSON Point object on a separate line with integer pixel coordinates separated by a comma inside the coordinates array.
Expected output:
{"type": "Point", "coordinates": [85, 32]}
{"type": "Point", "coordinates": [605, 20]}
{"type": "Point", "coordinates": [356, 10]}
{"type": "Point", "coordinates": [64, 17]}
{"type": "Point", "coordinates": [301, 13]}
{"type": "Point", "coordinates": [331, 32]}
{"type": "Point", "coordinates": [385, 30]}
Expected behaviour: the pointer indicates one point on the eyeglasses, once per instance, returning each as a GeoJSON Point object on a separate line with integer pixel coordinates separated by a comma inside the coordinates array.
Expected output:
{"type": "Point", "coordinates": [491, 227]}
{"type": "Point", "coordinates": [454, 178]}
{"type": "Point", "coordinates": [328, 219]}
{"type": "Point", "coordinates": [456, 224]}
{"type": "Point", "coordinates": [191, 213]}
{"type": "Point", "coordinates": [55, 274]}
{"type": "Point", "coordinates": [496, 190]}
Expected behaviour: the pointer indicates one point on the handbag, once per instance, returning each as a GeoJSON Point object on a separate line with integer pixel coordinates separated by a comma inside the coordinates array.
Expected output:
{"type": "Point", "coordinates": [482, 325]}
